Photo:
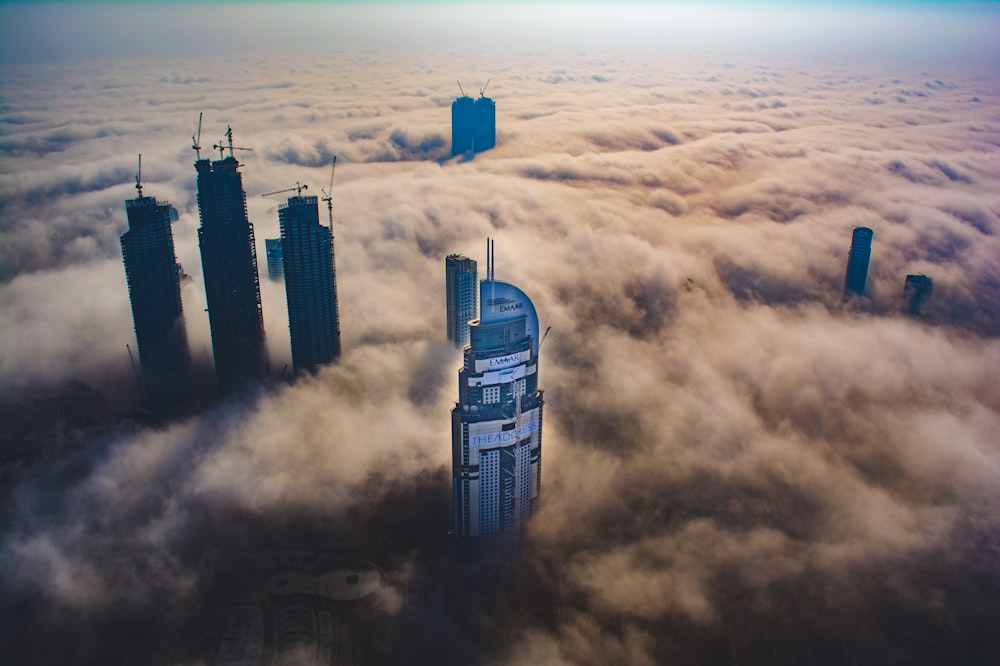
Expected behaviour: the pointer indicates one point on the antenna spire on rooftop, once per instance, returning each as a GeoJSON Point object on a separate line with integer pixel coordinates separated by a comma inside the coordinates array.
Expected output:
{"type": "Point", "coordinates": [138, 177]}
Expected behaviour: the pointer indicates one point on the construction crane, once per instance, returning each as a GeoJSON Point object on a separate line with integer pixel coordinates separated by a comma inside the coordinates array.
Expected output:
{"type": "Point", "coordinates": [461, 88]}
{"type": "Point", "coordinates": [298, 190]}
{"type": "Point", "coordinates": [196, 139]}
{"type": "Point", "coordinates": [138, 177]}
{"type": "Point", "coordinates": [482, 91]}
{"type": "Point", "coordinates": [229, 137]}
{"type": "Point", "coordinates": [327, 196]}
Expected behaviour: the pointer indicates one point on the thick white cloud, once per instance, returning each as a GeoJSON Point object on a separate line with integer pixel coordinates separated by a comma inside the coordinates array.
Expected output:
{"type": "Point", "coordinates": [726, 443]}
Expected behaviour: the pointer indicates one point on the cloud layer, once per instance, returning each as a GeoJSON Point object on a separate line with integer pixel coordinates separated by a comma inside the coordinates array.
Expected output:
{"type": "Point", "coordinates": [737, 466]}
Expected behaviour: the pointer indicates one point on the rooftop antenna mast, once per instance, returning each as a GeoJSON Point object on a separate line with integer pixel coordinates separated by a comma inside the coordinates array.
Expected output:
{"type": "Point", "coordinates": [196, 139]}
{"type": "Point", "coordinates": [298, 190]}
{"type": "Point", "coordinates": [138, 177]}
{"type": "Point", "coordinates": [482, 91]}
{"type": "Point", "coordinates": [327, 193]}
{"type": "Point", "coordinates": [489, 271]}
{"type": "Point", "coordinates": [229, 138]}
{"type": "Point", "coordinates": [461, 88]}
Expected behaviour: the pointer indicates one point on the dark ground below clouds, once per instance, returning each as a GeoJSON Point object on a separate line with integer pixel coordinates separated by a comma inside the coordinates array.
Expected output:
{"type": "Point", "coordinates": [468, 605]}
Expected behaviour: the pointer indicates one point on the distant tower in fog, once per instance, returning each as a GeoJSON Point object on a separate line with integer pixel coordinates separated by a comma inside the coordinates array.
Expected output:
{"type": "Point", "coordinates": [275, 263]}
{"type": "Point", "coordinates": [496, 425]}
{"type": "Point", "coordinates": [229, 267]}
{"type": "Point", "coordinates": [916, 290]}
{"type": "Point", "coordinates": [486, 123]}
{"type": "Point", "coordinates": [857, 262]}
{"type": "Point", "coordinates": [460, 290]}
{"type": "Point", "coordinates": [473, 123]}
{"type": "Point", "coordinates": [463, 125]}
{"type": "Point", "coordinates": [310, 284]}
{"type": "Point", "coordinates": [153, 277]}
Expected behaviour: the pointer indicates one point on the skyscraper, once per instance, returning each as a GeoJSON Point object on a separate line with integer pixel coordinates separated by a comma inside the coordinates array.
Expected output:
{"type": "Point", "coordinates": [155, 292]}
{"type": "Point", "coordinates": [496, 425]}
{"type": "Point", "coordinates": [463, 125]}
{"type": "Point", "coordinates": [310, 284]}
{"type": "Point", "coordinates": [460, 290]}
{"type": "Point", "coordinates": [486, 124]}
{"type": "Point", "coordinates": [916, 290]}
{"type": "Point", "coordinates": [229, 265]}
{"type": "Point", "coordinates": [857, 262]}
{"type": "Point", "coordinates": [473, 123]}
{"type": "Point", "coordinates": [275, 262]}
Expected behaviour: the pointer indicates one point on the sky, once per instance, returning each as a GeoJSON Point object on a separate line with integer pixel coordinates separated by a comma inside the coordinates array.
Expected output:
{"type": "Point", "coordinates": [737, 465]}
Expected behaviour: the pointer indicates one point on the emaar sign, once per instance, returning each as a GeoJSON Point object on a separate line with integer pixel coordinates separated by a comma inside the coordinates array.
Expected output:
{"type": "Point", "coordinates": [501, 301]}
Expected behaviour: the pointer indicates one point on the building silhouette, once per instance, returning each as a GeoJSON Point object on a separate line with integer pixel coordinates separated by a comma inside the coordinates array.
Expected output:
{"type": "Point", "coordinates": [463, 125]}
{"type": "Point", "coordinates": [497, 422]}
{"type": "Point", "coordinates": [310, 284]}
{"type": "Point", "coordinates": [857, 262]}
{"type": "Point", "coordinates": [916, 290]}
{"type": "Point", "coordinates": [275, 263]}
{"type": "Point", "coordinates": [229, 266]}
{"type": "Point", "coordinates": [486, 124]}
{"type": "Point", "coordinates": [154, 289]}
{"type": "Point", "coordinates": [473, 124]}
{"type": "Point", "coordinates": [461, 288]}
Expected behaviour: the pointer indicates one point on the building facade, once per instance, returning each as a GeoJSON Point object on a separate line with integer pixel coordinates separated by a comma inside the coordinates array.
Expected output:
{"type": "Point", "coordinates": [461, 287]}
{"type": "Point", "coordinates": [857, 262]}
{"type": "Point", "coordinates": [486, 124]}
{"type": "Point", "coordinates": [916, 290]}
{"type": "Point", "coordinates": [229, 266]}
{"type": "Point", "coordinates": [473, 125]}
{"type": "Point", "coordinates": [275, 262]}
{"type": "Point", "coordinates": [154, 289]}
{"type": "Point", "coordinates": [463, 125]}
{"type": "Point", "coordinates": [310, 284]}
{"type": "Point", "coordinates": [497, 421]}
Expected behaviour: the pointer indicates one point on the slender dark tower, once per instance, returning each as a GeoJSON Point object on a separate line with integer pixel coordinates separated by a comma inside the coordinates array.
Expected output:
{"type": "Point", "coordinates": [229, 265]}
{"type": "Point", "coordinates": [460, 289]}
{"type": "Point", "coordinates": [155, 292]}
{"type": "Point", "coordinates": [496, 425]}
{"type": "Point", "coordinates": [310, 284]}
{"type": "Point", "coordinates": [857, 262]}
{"type": "Point", "coordinates": [463, 124]}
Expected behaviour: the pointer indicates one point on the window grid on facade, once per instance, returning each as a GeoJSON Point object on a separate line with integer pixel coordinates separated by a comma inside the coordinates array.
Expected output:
{"type": "Point", "coordinates": [491, 395]}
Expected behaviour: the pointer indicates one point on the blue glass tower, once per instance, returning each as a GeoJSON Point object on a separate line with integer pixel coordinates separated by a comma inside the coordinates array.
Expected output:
{"type": "Point", "coordinates": [229, 266]}
{"type": "Point", "coordinates": [496, 425]}
{"type": "Point", "coordinates": [154, 289]}
{"type": "Point", "coordinates": [310, 284]}
{"type": "Point", "coordinates": [857, 262]}
{"type": "Point", "coordinates": [460, 288]}
{"type": "Point", "coordinates": [473, 124]}
{"type": "Point", "coordinates": [486, 124]}
{"type": "Point", "coordinates": [463, 125]}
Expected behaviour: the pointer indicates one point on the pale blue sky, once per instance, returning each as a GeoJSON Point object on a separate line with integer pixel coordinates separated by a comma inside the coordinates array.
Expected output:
{"type": "Point", "coordinates": [74, 31]}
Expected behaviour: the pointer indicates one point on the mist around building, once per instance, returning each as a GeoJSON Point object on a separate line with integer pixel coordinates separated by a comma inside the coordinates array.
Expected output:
{"type": "Point", "coordinates": [720, 387]}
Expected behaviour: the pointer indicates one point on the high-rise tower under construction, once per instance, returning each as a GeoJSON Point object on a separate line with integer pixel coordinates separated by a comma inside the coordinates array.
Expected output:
{"type": "Point", "coordinates": [229, 266]}
{"type": "Point", "coordinates": [154, 290]}
{"type": "Point", "coordinates": [310, 283]}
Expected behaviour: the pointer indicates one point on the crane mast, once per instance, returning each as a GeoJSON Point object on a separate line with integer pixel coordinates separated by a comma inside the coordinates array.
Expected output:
{"type": "Point", "coordinates": [196, 139]}
{"type": "Point", "coordinates": [327, 193]}
{"type": "Point", "coordinates": [138, 177]}
{"type": "Point", "coordinates": [229, 144]}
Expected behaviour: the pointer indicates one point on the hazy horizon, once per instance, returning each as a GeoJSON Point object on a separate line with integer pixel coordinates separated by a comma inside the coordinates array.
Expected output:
{"type": "Point", "coordinates": [736, 464]}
